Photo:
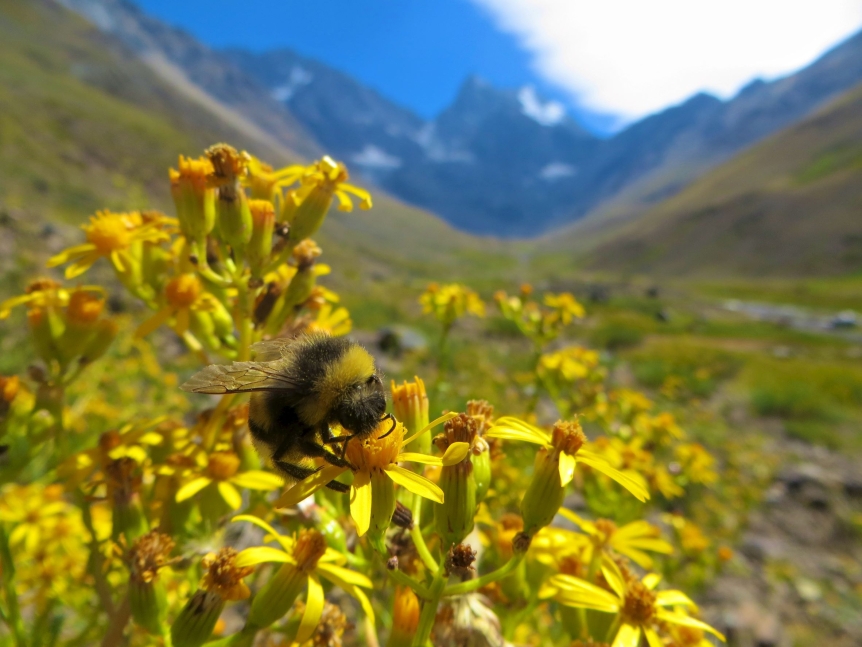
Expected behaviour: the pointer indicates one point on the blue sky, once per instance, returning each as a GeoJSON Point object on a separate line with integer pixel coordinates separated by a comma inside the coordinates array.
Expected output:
{"type": "Point", "coordinates": [608, 61]}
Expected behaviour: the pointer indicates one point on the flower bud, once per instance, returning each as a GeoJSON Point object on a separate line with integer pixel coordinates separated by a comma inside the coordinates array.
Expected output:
{"type": "Point", "coordinates": [382, 504]}
{"type": "Point", "coordinates": [147, 598]}
{"type": "Point", "coordinates": [104, 333]}
{"type": "Point", "coordinates": [410, 405]}
{"type": "Point", "coordinates": [194, 199]}
{"type": "Point", "coordinates": [124, 483]}
{"type": "Point", "coordinates": [454, 517]}
{"type": "Point", "coordinates": [263, 224]}
{"type": "Point", "coordinates": [544, 495]}
{"type": "Point", "coordinates": [232, 209]}
{"type": "Point", "coordinates": [222, 582]}
{"type": "Point", "coordinates": [405, 617]}
{"type": "Point", "coordinates": [44, 325]}
{"type": "Point", "coordinates": [279, 593]}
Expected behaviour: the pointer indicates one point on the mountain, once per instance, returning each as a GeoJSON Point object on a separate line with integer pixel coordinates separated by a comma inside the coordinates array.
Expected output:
{"type": "Point", "coordinates": [788, 206]}
{"type": "Point", "coordinates": [86, 125]}
{"type": "Point", "coordinates": [497, 161]}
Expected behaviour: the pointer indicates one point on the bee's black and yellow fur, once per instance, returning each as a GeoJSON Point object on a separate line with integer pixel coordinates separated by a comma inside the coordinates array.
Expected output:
{"type": "Point", "coordinates": [298, 388]}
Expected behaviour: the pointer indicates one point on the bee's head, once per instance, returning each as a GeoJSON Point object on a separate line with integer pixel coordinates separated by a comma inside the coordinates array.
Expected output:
{"type": "Point", "coordinates": [362, 407]}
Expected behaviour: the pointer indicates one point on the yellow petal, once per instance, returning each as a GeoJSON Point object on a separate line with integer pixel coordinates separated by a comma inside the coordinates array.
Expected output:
{"type": "Point", "coordinates": [673, 599]}
{"type": "Point", "coordinates": [510, 428]}
{"type": "Point", "coordinates": [286, 542]}
{"type": "Point", "coordinates": [313, 610]}
{"type": "Point", "coordinates": [182, 323]}
{"type": "Point", "coordinates": [191, 488]}
{"type": "Point", "coordinates": [653, 638]}
{"type": "Point", "coordinates": [430, 426]}
{"type": "Point", "coordinates": [587, 526]}
{"type": "Point", "coordinates": [567, 468]}
{"type": "Point", "coordinates": [600, 464]}
{"type": "Point", "coordinates": [687, 621]}
{"type": "Point", "coordinates": [306, 487]}
{"type": "Point", "coordinates": [230, 495]}
{"type": "Point", "coordinates": [257, 480]}
{"type": "Point", "coordinates": [68, 254]}
{"type": "Point", "coordinates": [651, 580]}
{"type": "Point", "coordinates": [613, 576]}
{"type": "Point", "coordinates": [262, 554]}
{"type": "Point", "coordinates": [415, 457]}
{"type": "Point", "coordinates": [153, 322]}
{"type": "Point", "coordinates": [81, 265]}
{"type": "Point", "coordinates": [360, 502]}
{"type": "Point", "coordinates": [416, 483]}
{"type": "Point", "coordinates": [627, 636]}
{"type": "Point", "coordinates": [343, 577]}
{"type": "Point", "coordinates": [455, 453]}
{"type": "Point", "coordinates": [655, 545]}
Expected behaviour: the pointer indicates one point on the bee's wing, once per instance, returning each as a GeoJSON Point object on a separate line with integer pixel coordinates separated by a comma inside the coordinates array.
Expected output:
{"type": "Point", "coordinates": [239, 377]}
{"type": "Point", "coordinates": [273, 349]}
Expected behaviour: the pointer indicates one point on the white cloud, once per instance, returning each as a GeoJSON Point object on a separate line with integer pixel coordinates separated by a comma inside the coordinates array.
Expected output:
{"type": "Point", "coordinates": [557, 171]}
{"type": "Point", "coordinates": [547, 114]}
{"type": "Point", "coordinates": [372, 157]}
{"type": "Point", "coordinates": [633, 57]}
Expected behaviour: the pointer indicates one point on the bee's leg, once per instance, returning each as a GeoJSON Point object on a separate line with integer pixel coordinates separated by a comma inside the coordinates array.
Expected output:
{"type": "Point", "coordinates": [340, 439]}
{"type": "Point", "coordinates": [300, 473]}
{"type": "Point", "coordinates": [311, 448]}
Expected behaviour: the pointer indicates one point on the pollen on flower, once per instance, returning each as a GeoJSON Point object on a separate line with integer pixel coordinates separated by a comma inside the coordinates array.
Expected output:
{"type": "Point", "coordinates": [147, 555]}
{"type": "Point", "coordinates": [228, 164]}
{"type": "Point", "coordinates": [461, 429]}
{"type": "Point", "coordinates": [310, 546]}
{"type": "Point", "coordinates": [572, 565]}
{"type": "Point", "coordinates": [182, 291]}
{"type": "Point", "coordinates": [223, 577]}
{"type": "Point", "coordinates": [639, 605]}
{"type": "Point", "coordinates": [84, 307]}
{"type": "Point", "coordinates": [110, 232]}
{"type": "Point", "coordinates": [568, 437]}
{"type": "Point", "coordinates": [376, 453]}
{"type": "Point", "coordinates": [222, 465]}
{"type": "Point", "coordinates": [306, 253]}
{"type": "Point", "coordinates": [193, 171]}
{"type": "Point", "coordinates": [606, 528]}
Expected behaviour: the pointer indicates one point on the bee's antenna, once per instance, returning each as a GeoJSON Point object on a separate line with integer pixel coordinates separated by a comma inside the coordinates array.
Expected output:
{"type": "Point", "coordinates": [388, 416]}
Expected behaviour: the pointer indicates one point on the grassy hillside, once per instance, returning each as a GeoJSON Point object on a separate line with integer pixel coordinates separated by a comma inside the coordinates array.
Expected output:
{"type": "Point", "coordinates": [84, 126]}
{"type": "Point", "coordinates": [789, 206]}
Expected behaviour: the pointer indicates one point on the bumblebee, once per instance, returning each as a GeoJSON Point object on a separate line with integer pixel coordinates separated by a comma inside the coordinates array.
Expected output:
{"type": "Point", "coordinates": [299, 388]}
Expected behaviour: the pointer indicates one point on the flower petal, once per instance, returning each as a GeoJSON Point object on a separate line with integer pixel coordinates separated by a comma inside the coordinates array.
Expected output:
{"type": "Point", "coordinates": [415, 457]}
{"type": "Point", "coordinates": [511, 428]}
{"type": "Point", "coordinates": [191, 488]}
{"type": "Point", "coordinates": [600, 464]}
{"type": "Point", "coordinates": [687, 621]}
{"type": "Point", "coordinates": [587, 526]}
{"type": "Point", "coordinates": [614, 576]}
{"type": "Point", "coordinates": [567, 468]}
{"type": "Point", "coordinates": [313, 609]}
{"type": "Point", "coordinates": [429, 427]}
{"type": "Point", "coordinates": [257, 480]}
{"type": "Point", "coordinates": [68, 254]}
{"type": "Point", "coordinates": [627, 636]}
{"type": "Point", "coordinates": [81, 265]}
{"type": "Point", "coordinates": [153, 322]}
{"type": "Point", "coordinates": [230, 495]}
{"type": "Point", "coordinates": [261, 554]}
{"type": "Point", "coordinates": [360, 502]}
{"type": "Point", "coordinates": [286, 542]}
{"type": "Point", "coordinates": [416, 483]}
{"type": "Point", "coordinates": [651, 580]}
{"type": "Point", "coordinates": [343, 577]}
{"type": "Point", "coordinates": [306, 487]}
{"type": "Point", "coordinates": [673, 598]}
{"type": "Point", "coordinates": [653, 638]}
{"type": "Point", "coordinates": [455, 453]}
{"type": "Point", "coordinates": [575, 592]}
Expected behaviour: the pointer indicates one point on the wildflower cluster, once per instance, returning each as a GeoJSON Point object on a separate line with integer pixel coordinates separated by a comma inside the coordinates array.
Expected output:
{"type": "Point", "coordinates": [172, 530]}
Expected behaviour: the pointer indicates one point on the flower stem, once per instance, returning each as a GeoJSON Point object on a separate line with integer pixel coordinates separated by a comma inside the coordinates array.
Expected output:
{"type": "Point", "coordinates": [479, 582]}
{"type": "Point", "coordinates": [429, 609]}
{"type": "Point", "coordinates": [416, 533]}
{"type": "Point", "coordinates": [13, 614]}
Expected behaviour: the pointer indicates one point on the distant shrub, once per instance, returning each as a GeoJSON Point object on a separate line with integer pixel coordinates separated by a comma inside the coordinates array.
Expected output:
{"type": "Point", "coordinates": [621, 330]}
{"type": "Point", "coordinates": [683, 368]}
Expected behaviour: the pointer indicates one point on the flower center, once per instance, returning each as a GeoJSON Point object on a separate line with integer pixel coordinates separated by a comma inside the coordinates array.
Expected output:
{"type": "Point", "coordinates": [639, 606]}
{"type": "Point", "coordinates": [224, 577]}
{"type": "Point", "coordinates": [148, 555]}
{"type": "Point", "coordinates": [374, 452]}
{"type": "Point", "coordinates": [110, 232]}
{"type": "Point", "coordinates": [606, 529]}
{"type": "Point", "coordinates": [222, 465]}
{"type": "Point", "coordinates": [568, 437]}
{"type": "Point", "coordinates": [84, 307]}
{"type": "Point", "coordinates": [310, 546]}
{"type": "Point", "coordinates": [183, 291]}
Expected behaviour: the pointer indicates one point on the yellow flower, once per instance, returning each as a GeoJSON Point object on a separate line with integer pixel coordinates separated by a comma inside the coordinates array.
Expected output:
{"type": "Point", "coordinates": [376, 461]}
{"type": "Point", "coordinates": [44, 294]}
{"type": "Point", "coordinates": [568, 451]}
{"type": "Point", "coordinates": [630, 540]}
{"type": "Point", "coordinates": [331, 177]}
{"type": "Point", "coordinates": [539, 324]}
{"type": "Point", "coordinates": [109, 235]}
{"type": "Point", "coordinates": [331, 319]}
{"type": "Point", "coordinates": [450, 302]}
{"type": "Point", "coordinates": [32, 510]}
{"type": "Point", "coordinates": [638, 607]}
{"type": "Point", "coordinates": [306, 558]}
{"type": "Point", "coordinates": [222, 472]}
